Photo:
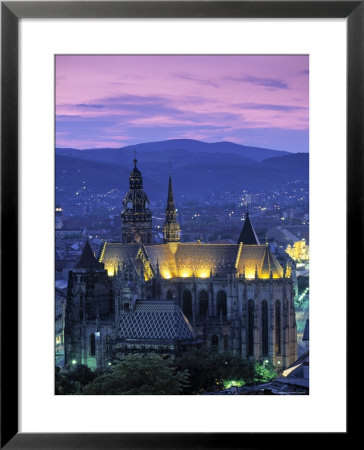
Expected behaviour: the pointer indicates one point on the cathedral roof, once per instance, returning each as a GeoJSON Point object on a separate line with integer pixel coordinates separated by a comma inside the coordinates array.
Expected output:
{"type": "Point", "coordinates": [188, 259]}
{"type": "Point", "coordinates": [88, 260]}
{"type": "Point", "coordinates": [155, 320]}
{"type": "Point", "coordinates": [258, 258]}
{"type": "Point", "coordinates": [113, 254]}
{"type": "Point", "coordinates": [248, 235]}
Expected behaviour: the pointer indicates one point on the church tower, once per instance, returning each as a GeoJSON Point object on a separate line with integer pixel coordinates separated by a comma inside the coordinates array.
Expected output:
{"type": "Point", "coordinates": [89, 298]}
{"type": "Point", "coordinates": [136, 217]}
{"type": "Point", "coordinates": [171, 229]}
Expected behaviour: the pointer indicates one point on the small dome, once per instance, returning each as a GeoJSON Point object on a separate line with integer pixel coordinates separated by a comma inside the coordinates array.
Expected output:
{"type": "Point", "coordinates": [135, 172]}
{"type": "Point", "coordinates": [135, 178]}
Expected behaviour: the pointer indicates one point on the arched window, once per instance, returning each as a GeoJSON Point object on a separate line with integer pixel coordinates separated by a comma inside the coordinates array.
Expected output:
{"type": "Point", "coordinates": [92, 345]}
{"type": "Point", "coordinates": [169, 294]}
{"type": "Point", "coordinates": [278, 327]}
{"type": "Point", "coordinates": [221, 303]}
{"type": "Point", "coordinates": [187, 303]}
{"type": "Point", "coordinates": [250, 328]}
{"type": "Point", "coordinates": [226, 342]}
{"type": "Point", "coordinates": [203, 300]}
{"type": "Point", "coordinates": [264, 327]}
{"type": "Point", "coordinates": [215, 343]}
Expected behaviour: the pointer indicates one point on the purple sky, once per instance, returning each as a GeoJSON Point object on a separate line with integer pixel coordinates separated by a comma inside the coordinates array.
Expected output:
{"type": "Point", "coordinates": [106, 101]}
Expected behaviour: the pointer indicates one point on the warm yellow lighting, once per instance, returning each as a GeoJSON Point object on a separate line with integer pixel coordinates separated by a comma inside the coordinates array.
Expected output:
{"type": "Point", "coordinates": [186, 274]}
{"type": "Point", "coordinates": [110, 270]}
{"type": "Point", "coordinates": [203, 274]}
{"type": "Point", "coordinates": [166, 274]}
{"type": "Point", "coordinates": [286, 372]}
{"type": "Point", "coordinates": [264, 276]}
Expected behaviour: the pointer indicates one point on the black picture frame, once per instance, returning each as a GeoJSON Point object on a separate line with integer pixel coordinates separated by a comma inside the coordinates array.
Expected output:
{"type": "Point", "coordinates": [11, 12]}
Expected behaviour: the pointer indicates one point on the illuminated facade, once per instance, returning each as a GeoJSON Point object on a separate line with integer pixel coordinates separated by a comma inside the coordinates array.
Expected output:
{"type": "Point", "coordinates": [299, 251]}
{"type": "Point", "coordinates": [235, 297]}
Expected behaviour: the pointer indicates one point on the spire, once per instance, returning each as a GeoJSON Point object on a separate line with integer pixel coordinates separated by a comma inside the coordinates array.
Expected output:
{"type": "Point", "coordinates": [88, 260]}
{"type": "Point", "coordinates": [170, 200]}
{"type": "Point", "coordinates": [171, 229]}
{"type": "Point", "coordinates": [248, 235]}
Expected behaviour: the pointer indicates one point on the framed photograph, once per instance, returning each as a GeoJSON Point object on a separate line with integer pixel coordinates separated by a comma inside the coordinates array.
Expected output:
{"type": "Point", "coordinates": [178, 179]}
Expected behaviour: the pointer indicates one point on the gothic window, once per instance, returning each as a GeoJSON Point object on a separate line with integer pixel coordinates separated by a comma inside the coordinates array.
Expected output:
{"type": "Point", "coordinates": [169, 294]}
{"type": "Point", "coordinates": [278, 327]}
{"type": "Point", "coordinates": [203, 299]}
{"type": "Point", "coordinates": [221, 303]}
{"type": "Point", "coordinates": [215, 343]}
{"type": "Point", "coordinates": [265, 327]}
{"type": "Point", "coordinates": [92, 344]}
{"type": "Point", "coordinates": [226, 342]}
{"type": "Point", "coordinates": [250, 328]}
{"type": "Point", "coordinates": [187, 303]}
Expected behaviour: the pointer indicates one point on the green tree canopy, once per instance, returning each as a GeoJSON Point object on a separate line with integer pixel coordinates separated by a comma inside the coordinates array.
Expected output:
{"type": "Point", "coordinates": [208, 370]}
{"type": "Point", "coordinates": [140, 374]}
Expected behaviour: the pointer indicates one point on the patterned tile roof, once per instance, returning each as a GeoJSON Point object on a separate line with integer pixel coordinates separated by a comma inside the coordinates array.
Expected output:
{"type": "Point", "coordinates": [152, 319]}
{"type": "Point", "coordinates": [186, 259]}
{"type": "Point", "coordinates": [113, 254]}
{"type": "Point", "coordinates": [162, 255]}
{"type": "Point", "coordinates": [260, 258]}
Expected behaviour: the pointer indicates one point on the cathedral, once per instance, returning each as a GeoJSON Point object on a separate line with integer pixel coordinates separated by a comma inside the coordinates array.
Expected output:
{"type": "Point", "coordinates": [139, 296]}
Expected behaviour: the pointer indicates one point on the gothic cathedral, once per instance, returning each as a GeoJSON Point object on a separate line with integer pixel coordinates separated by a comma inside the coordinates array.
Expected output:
{"type": "Point", "coordinates": [139, 296]}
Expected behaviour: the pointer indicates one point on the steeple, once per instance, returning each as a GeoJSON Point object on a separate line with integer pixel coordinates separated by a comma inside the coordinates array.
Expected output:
{"type": "Point", "coordinates": [87, 260]}
{"type": "Point", "coordinates": [248, 235]}
{"type": "Point", "coordinates": [136, 217]}
{"type": "Point", "coordinates": [171, 229]}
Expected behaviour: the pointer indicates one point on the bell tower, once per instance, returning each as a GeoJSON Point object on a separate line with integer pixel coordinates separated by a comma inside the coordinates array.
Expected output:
{"type": "Point", "coordinates": [171, 229]}
{"type": "Point", "coordinates": [136, 217]}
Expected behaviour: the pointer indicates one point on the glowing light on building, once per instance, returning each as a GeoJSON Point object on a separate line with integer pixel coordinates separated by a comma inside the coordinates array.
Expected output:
{"type": "Point", "coordinates": [186, 274]}
{"type": "Point", "coordinates": [110, 271]}
{"type": "Point", "coordinates": [166, 274]}
{"type": "Point", "coordinates": [203, 274]}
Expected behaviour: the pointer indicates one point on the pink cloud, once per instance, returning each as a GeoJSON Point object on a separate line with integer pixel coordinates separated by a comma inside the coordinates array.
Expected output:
{"type": "Point", "coordinates": [183, 91]}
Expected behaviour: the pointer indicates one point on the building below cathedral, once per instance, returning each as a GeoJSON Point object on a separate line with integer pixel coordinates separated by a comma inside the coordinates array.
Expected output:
{"type": "Point", "coordinates": [139, 296]}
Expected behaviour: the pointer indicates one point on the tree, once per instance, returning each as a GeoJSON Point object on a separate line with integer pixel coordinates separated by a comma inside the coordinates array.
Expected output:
{"type": "Point", "coordinates": [209, 371]}
{"type": "Point", "coordinates": [73, 381]}
{"type": "Point", "coordinates": [82, 374]}
{"type": "Point", "coordinates": [140, 374]}
{"type": "Point", "coordinates": [263, 372]}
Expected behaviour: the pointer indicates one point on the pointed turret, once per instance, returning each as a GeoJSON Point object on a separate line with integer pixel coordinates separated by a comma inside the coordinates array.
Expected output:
{"type": "Point", "coordinates": [248, 235]}
{"type": "Point", "coordinates": [171, 229]}
{"type": "Point", "coordinates": [87, 260]}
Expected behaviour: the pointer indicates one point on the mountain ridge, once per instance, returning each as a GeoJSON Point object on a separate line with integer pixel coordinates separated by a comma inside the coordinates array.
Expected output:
{"type": "Point", "coordinates": [194, 174]}
{"type": "Point", "coordinates": [192, 145]}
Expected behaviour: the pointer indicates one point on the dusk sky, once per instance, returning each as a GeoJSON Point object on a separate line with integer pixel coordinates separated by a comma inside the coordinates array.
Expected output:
{"type": "Point", "coordinates": [113, 101]}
